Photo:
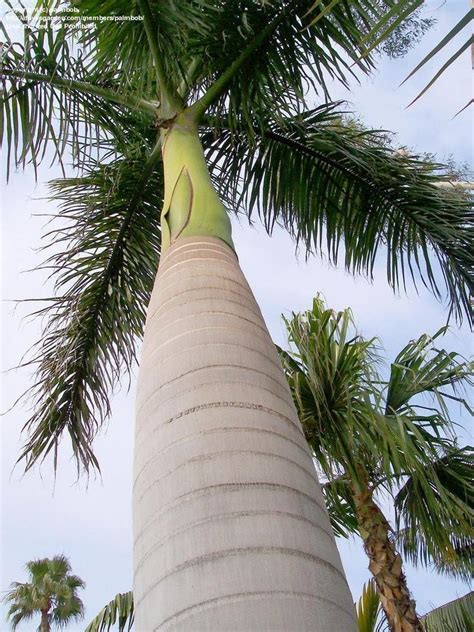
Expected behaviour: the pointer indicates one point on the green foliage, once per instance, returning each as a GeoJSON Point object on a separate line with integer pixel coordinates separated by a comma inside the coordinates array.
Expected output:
{"type": "Point", "coordinates": [369, 612]}
{"type": "Point", "coordinates": [105, 256]}
{"type": "Point", "coordinates": [119, 612]}
{"type": "Point", "coordinates": [330, 183]}
{"type": "Point", "coordinates": [447, 532]}
{"type": "Point", "coordinates": [243, 70]}
{"type": "Point", "coordinates": [51, 588]}
{"type": "Point", "coordinates": [455, 616]}
{"type": "Point", "coordinates": [407, 34]}
{"type": "Point", "coordinates": [393, 435]}
{"type": "Point", "coordinates": [59, 96]}
{"type": "Point", "coordinates": [446, 40]}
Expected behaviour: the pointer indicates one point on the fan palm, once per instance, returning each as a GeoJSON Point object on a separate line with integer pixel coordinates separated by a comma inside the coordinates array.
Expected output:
{"type": "Point", "coordinates": [51, 592]}
{"type": "Point", "coordinates": [185, 105]}
{"type": "Point", "coordinates": [374, 438]}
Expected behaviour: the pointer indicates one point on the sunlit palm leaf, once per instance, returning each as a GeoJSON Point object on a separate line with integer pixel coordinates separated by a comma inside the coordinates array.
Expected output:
{"type": "Point", "coordinates": [420, 368]}
{"type": "Point", "coordinates": [119, 612]}
{"type": "Point", "coordinates": [456, 616]}
{"type": "Point", "coordinates": [369, 611]}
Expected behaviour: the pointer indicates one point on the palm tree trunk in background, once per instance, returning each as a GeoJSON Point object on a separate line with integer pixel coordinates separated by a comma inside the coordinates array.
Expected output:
{"type": "Point", "coordinates": [230, 527]}
{"type": "Point", "coordinates": [44, 625]}
{"type": "Point", "coordinates": [386, 565]}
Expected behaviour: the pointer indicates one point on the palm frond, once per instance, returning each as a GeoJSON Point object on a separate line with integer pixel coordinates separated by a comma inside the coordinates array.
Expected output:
{"type": "Point", "coordinates": [421, 369]}
{"type": "Point", "coordinates": [339, 501]}
{"type": "Point", "coordinates": [370, 616]}
{"type": "Point", "coordinates": [119, 42]}
{"type": "Point", "coordinates": [332, 184]}
{"type": "Point", "coordinates": [329, 377]}
{"type": "Point", "coordinates": [55, 93]}
{"type": "Point", "coordinates": [455, 616]}
{"type": "Point", "coordinates": [119, 612]}
{"type": "Point", "coordinates": [445, 41]}
{"type": "Point", "coordinates": [292, 47]}
{"type": "Point", "coordinates": [434, 512]}
{"type": "Point", "coordinates": [106, 252]}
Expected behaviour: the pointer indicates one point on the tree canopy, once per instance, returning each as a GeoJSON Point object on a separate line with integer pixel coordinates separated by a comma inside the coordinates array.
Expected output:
{"type": "Point", "coordinates": [257, 77]}
{"type": "Point", "coordinates": [52, 592]}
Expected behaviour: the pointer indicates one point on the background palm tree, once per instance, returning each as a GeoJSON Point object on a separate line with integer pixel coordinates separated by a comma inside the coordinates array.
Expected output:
{"type": "Point", "coordinates": [146, 109]}
{"type": "Point", "coordinates": [374, 438]}
{"type": "Point", "coordinates": [52, 592]}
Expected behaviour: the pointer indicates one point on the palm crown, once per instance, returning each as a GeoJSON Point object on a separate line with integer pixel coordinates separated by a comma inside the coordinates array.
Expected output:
{"type": "Point", "coordinates": [393, 435]}
{"type": "Point", "coordinates": [51, 591]}
{"type": "Point", "coordinates": [242, 71]}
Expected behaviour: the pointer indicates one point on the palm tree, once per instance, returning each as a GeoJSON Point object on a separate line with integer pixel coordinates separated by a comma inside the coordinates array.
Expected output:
{"type": "Point", "coordinates": [51, 591]}
{"type": "Point", "coordinates": [184, 106]}
{"type": "Point", "coordinates": [374, 438]}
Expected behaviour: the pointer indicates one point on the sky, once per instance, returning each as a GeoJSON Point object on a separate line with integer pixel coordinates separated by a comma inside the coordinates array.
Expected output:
{"type": "Point", "coordinates": [90, 522]}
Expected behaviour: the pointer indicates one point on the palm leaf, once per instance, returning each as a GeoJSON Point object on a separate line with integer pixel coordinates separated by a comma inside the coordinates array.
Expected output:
{"type": "Point", "coordinates": [332, 184]}
{"type": "Point", "coordinates": [444, 67]}
{"type": "Point", "coordinates": [119, 612]}
{"type": "Point", "coordinates": [268, 55]}
{"type": "Point", "coordinates": [446, 40]}
{"type": "Point", "coordinates": [455, 616]}
{"type": "Point", "coordinates": [55, 94]}
{"type": "Point", "coordinates": [340, 505]}
{"type": "Point", "coordinates": [436, 521]}
{"type": "Point", "coordinates": [104, 263]}
{"type": "Point", "coordinates": [421, 369]}
{"type": "Point", "coordinates": [243, 57]}
{"type": "Point", "coordinates": [369, 610]}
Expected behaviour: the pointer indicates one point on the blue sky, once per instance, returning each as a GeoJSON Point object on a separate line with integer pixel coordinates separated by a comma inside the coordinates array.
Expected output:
{"type": "Point", "coordinates": [91, 523]}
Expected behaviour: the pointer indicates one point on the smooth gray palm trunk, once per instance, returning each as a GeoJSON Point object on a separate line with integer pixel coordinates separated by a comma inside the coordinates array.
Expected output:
{"type": "Point", "coordinates": [230, 527]}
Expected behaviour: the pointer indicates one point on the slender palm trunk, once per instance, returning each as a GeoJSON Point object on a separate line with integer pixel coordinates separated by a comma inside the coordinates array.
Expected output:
{"type": "Point", "coordinates": [386, 565]}
{"type": "Point", "coordinates": [44, 625]}
{"type": "Point", "coordinates": [230, 527]}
